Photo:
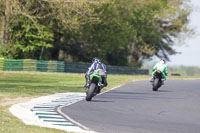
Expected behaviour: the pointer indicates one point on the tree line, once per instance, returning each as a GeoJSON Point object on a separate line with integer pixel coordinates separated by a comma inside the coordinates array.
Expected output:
{"type": "Point", "coordinates": [120, 32]}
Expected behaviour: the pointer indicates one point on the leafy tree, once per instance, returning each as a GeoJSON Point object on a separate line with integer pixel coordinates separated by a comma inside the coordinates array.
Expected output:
{"type": "Point", "coordinates": [39, 24]}
{"type": "Point", "coordinates": [31, 41]}
{"type": "Point", "coordinates": [130, 31]}
{"type": "Point", "coordinates": [120, 32]}
{"type": "Point", "coordinates": [156, 23]}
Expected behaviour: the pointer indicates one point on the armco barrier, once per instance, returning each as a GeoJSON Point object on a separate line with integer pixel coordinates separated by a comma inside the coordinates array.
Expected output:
{"type": "Point", "coordinates": [60, 66]}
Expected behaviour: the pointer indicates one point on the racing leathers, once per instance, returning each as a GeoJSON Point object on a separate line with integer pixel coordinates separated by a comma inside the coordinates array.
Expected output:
{"type": "Point", "coordinates": [162, 67]}
{"type": "Point", "coordinates": [91, 70]}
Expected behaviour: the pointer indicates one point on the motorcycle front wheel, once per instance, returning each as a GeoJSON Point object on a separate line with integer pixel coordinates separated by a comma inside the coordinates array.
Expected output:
{"type": "Point", "coordinates": [90, 92]}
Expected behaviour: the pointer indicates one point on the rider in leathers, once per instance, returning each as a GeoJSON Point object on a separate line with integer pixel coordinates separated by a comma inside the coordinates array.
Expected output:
{"type": "Point", "coordinates": [96, 64]}
{"type": "Point", "coordinates": [162, 67]}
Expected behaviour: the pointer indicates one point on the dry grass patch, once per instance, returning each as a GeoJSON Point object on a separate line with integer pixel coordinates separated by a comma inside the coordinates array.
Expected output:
{"type": "Point", "coordinates": [4, 101]}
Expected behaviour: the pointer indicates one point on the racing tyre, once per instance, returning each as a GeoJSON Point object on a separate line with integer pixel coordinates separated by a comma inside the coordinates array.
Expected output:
{"type": "Point", "coordinates": [90, 92]}
{"type": "Point", "coordinates": [156, 84]}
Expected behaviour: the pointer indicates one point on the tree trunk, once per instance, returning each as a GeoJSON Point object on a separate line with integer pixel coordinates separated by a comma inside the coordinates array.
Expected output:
{"type": "Point", "coordinates": [41, 53]}
{"type": "Point", "coordinates": [61, 55]}
{"type": "Point", "coordinates": [5, 30]}
{"type": "Point", "coordinates": [6, 20]}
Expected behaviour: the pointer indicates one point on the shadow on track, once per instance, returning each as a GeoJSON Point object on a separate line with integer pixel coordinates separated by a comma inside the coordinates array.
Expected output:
{"type": "Point", "coordinates": [164, 91]}
{"type": "Point", "coordinates": [101, 101]}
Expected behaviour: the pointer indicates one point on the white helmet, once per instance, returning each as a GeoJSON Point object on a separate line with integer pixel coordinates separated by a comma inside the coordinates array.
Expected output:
{"type": "Point", "coordinates": [95, 59]}
{"type": "Point", "coordinates": [162, 61]}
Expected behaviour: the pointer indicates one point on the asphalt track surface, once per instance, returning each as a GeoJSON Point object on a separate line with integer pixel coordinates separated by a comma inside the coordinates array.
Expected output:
{"type": "Point", "coordinates": [135, 108]}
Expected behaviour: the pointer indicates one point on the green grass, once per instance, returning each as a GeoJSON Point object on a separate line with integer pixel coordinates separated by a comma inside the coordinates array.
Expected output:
{"type": "Point", "coordinates": [34, 84]}
{"type": "Point", "coordinates": [15, 84]}
{"type": "Point", "coordinates": [10, 124]}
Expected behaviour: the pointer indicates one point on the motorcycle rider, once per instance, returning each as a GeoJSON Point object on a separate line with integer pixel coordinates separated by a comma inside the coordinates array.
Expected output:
{"type": "Point", "coordinates": [96, 64]}
{"type": "Point", "coordinates": [162, 67]}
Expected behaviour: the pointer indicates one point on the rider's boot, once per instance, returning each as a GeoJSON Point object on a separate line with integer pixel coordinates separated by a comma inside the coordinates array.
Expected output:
{"type": "Point", "coordinates": [86, 84]}
{"type": "Point", "coordinates": [152, 79]}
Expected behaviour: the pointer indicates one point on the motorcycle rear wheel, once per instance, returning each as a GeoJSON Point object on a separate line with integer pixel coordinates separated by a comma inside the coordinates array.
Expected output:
{"type": "Point", "coordinates": [155, 84]}
{"type": "Point", "coordinates": [90, 92]}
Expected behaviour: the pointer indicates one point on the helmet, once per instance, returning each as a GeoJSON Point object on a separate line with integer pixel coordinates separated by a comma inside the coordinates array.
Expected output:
{"type": "Point", "coordinates": [95, 59]}
{"type": "Point", "coordinates": [162, 61]}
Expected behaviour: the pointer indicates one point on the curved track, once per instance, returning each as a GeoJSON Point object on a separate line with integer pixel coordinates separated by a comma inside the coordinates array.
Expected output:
{"type": "Point", "coordinates": [135, 108]}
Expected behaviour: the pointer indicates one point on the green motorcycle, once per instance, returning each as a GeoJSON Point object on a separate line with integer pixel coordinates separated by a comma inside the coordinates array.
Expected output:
{"type": "Point", "coordinates": [95, 84]}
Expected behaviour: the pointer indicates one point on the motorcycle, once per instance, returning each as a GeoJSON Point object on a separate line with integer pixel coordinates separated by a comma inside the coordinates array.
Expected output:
{"type": "Point", "coordinates": [95, 84]}
{"type": "Point", "coordinates": [157, 83]}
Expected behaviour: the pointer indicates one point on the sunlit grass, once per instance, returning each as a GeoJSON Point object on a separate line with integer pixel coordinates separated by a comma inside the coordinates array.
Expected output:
{"type": "Point", "coordinates": [14, 84]}
{"type": "Point", "coordinates": [23, 84]}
